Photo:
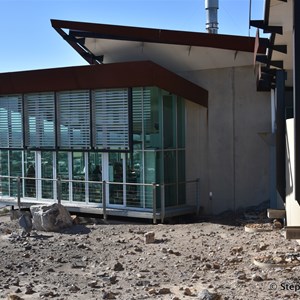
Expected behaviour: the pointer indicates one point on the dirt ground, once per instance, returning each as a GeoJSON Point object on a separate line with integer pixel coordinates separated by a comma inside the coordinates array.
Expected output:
{"type": "Point", "coordinates": [203, 259]}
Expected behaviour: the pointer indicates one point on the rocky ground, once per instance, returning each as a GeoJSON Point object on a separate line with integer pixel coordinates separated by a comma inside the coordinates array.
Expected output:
{"type": "Point", "coordinates": [203, 259]}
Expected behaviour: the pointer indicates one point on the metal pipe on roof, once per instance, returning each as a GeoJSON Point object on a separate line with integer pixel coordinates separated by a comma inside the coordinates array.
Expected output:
{"type": "Point", "coordinates": [211, 7]}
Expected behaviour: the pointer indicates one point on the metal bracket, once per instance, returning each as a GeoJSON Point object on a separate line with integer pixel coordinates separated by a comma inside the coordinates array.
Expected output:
{"type": "Point", "coordinates": [266, 28]}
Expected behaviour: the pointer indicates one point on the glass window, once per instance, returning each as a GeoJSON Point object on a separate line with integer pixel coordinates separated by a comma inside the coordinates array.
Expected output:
{"type": "Point", "coordinates": [47, 174]}
{"type": "Point", "coordinates": [30, 169]}
{"type": "Point", "coordinates": [180, 123]}
{"type": "Point", "coordinates": [4, 182]}
{"type": "Point", "coordinates": [111, 119]}
{"type": "Point", "coordinates": [169, 120]}
{"type": "Point", "coordinates": [137, 117]}
{"type": "Point", "coordinates": [40, 120]}
{"type": "Point", "coordinates": [63, 172]}
{"type": "Point", "coordinates": [74, 119]}
{"type": "Point", "coordinates": [152, 174]}
{"type": "Point", "coordinates": [133, 176]}
{"type": "Point", "coordinates": [146, 118]}
{"type": "Point", "coordinates": [181, 177]}
{"type": "Point", "coordinates": [170, 168]}
{"type": "Point", "coordinates": [15, 167]}
{"type": "Point", "coordinates": [151, 114]}
{"type": "Point", "coordinates": [11, 128]}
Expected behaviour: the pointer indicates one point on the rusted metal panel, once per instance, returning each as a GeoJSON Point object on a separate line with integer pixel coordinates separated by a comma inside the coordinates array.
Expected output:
{"type": "Point", "coordinates": [117, 75]}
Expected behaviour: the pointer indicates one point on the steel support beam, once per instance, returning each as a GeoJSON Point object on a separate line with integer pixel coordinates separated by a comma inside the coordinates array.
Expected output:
{"type": "Point", "coordinates": [296, 84]}
{"type": "Point", "coordinates": [280, 133]}
{"type": "Point", "coordinates": [266, 28]}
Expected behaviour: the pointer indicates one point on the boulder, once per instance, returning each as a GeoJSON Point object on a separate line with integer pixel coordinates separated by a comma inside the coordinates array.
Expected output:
{"type": "Point", "coordinates": [50, 217]}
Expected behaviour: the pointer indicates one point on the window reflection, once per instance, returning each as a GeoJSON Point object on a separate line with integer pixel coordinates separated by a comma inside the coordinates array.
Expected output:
{"type": "Point", "coordinates": [78, 174]}
{"type": "Point", "coordinates": [63, 173]}
{"type": "Point", "coordinates": [116, 175]}
{"type": "Point", "coordinates": [47, 173]}
{"type": "Point", "coordinates": [95, 174]}
{"type": "Point", "coordinates": [30, 184]}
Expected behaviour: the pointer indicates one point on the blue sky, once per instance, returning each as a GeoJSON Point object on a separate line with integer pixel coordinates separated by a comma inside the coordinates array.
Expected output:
{"type": "Point", "coordinates": [29, 42]}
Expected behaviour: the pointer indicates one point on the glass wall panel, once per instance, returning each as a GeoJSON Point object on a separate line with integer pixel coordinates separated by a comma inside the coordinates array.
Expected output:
{"type": "Point", "coordinates": [180, 123]}
{"type": "Point", "coordinates": [146, 117]}
{"type": "Point", "coordinates": [137, 117]}
{"type": "Point", "coordinates": [151, 114]}
{"type": "Point", "coordinates": [111, 119]}
{"type": "Point", "coordinates": [78, 171]}
{"type": "Point", "coordinates": [152, 169]}
{"type": "Point", "coordinates": [40, 120]}
{"type": "Point", "coordinates": [47, 173]}
{"type": "Point", "coordinates": [133, 175]}
{"type": "Point", "coordinates": [181, 177]}
{"type": "Point", "coordinates": [169, 116]}
{"type": "Point", "coordinates": [11, 126]}
{"type": "Point", "coordinates": [158, 121]}
{"type": "Point", "coordinates": [95, 174]}
{"type": "Point", "coordinates": [29, 165]}
{"type": "Point", "coordinates": [170, 176]}
{"type": "Point", "coordinates": [63, 172]}
{"type": "Point", "coordinates": [4, 182]}
{"type": "Point", "coordinates": [74, 119]}
{"type": "Point", "coordinates": [116, 191]}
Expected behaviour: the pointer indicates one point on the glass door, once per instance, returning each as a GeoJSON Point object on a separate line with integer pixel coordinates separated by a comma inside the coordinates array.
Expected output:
{"type": "Point", "coordinates": [47, 174]}
{"type": "Point", "coordinates": [95, 174]}
{"type": "Point", "coordinates": [78, 175]}
{"type": "Point", "coordinates": [117, 176]}
{"type": "Point", "coordinates": [63, 171]}
{"type": "Point", "coordinates": [30, 172]}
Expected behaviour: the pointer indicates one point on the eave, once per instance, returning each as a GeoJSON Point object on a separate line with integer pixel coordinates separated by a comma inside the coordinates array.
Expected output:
{"type": "Point", "coordinates": [118, 75]}
{"type": "Point", "coordinates": [117, 32]}
{"type": "Point", "coordinates": [178, 51]}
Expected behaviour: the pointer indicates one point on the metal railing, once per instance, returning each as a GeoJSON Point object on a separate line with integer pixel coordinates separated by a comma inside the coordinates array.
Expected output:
{"type": "Point", "coordinates": [147, 197]}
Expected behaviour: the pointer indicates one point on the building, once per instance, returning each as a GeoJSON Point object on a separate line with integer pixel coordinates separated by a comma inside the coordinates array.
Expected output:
{"type": "Point", "coordinates": [161, 123]}
{"type": "Point", "coordinates": [279, 73]}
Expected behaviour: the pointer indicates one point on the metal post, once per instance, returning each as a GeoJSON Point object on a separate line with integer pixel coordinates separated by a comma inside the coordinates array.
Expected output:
{"type": "Point", "coordinates": [280, 137]}
{"type": "Point", "coordinates": [59, 190]}
{"type": "Point", "coordinates": [296, 90]}
{"type": "Point", "coordinates": [198, 195]}
{"type": "Point", "coordinates": [163, 203]}
{"type": "Point", "coordinates": [154, 202]}
{"type": "Point", "coordinates": [104, 200]}
{"type": "Point", "coordinates": [19, 191]}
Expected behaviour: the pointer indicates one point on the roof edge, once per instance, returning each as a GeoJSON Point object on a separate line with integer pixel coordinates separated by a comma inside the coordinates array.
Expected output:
{"type": "Point", "coordinates": [120, 32]}
{"type": "Point", "coordinates": [115, 75]}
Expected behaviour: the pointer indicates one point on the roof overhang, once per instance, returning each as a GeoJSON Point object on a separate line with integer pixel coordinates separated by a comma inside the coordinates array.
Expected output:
{"type": "Point", "coordinates": [117, 75]}
{"type": "Point", "coordinates": [179, 51]}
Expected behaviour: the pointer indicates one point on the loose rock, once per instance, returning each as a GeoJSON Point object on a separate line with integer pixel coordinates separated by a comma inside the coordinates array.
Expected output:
{"type": "Point", "coordinates": [206, 295]}
{"type": "Point", "coordinates": [149, 237]}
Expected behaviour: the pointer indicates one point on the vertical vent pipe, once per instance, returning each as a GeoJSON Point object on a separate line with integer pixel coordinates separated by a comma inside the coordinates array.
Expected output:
{"type": "Point", "coordinates": [211, 7]}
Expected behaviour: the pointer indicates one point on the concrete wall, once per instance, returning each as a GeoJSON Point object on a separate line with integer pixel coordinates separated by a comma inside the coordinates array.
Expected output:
{"type": "Point", "coordinates": [291, 205]}
{"type": "Point", "coordinates": [224, 147]}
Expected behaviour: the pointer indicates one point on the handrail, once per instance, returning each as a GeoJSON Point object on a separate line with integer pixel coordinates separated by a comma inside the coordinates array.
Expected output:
{"type": "Point", "coordinates": [104, 184]}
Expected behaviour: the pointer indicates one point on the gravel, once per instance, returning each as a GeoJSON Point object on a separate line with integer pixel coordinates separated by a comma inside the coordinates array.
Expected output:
{"type": "Point", "coordinates": [199, 260]}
